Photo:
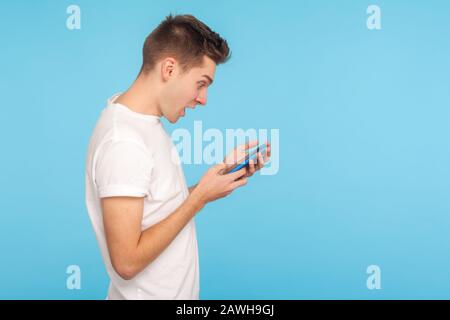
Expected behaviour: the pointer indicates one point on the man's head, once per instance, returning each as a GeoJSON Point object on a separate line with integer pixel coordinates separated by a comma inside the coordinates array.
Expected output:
{"type": "Point", "coordinates": [182, 54]}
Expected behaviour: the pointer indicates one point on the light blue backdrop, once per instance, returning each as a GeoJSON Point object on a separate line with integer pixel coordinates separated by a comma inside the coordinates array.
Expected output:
{"type": "Point", "coordinates": [364, 145]}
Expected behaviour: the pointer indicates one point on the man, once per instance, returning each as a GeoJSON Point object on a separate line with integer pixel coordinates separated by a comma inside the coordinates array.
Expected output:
{"type": "Point", "coordinates": [138, 202]}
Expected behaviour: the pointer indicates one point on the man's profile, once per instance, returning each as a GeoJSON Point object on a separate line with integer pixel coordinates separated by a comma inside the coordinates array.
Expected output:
{"type": "Point", "coordinates": [138, 202]}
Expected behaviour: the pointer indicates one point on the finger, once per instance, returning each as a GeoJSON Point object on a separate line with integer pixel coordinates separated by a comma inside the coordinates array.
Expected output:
{"type": "Point", "coordinates": [236, 175]}
{"type": "Point", "coordinates": [268, 148]}
{"type": "Point", "coordinates": [220, 167]}
{"type": "Point", "coordinates": [239, 183]}
{"type": "Point", "coordinates": [267, 157]}
{"type": "Point", "coordinates": [231, 159]}
{"type": "Point", "coordinates": [250, 144]}
{"type": "Point", "coordinates": [260, 160]}
{"type": "Point", "coordinates": [251, 167]}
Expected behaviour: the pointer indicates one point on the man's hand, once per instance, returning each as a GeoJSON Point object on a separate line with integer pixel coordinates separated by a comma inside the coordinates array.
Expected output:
{"type": "Point", "coordinates": [215, 185]}
{"type": "Point", "coordinates": [241, 151]}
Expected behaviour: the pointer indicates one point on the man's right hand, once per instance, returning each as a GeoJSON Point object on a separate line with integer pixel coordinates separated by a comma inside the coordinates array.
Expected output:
{"type": "Point", "coordinates": [215, 185]}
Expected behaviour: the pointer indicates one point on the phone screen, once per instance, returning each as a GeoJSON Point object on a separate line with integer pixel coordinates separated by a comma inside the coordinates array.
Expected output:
{"type": "Point", "coordinates": [245, 161]}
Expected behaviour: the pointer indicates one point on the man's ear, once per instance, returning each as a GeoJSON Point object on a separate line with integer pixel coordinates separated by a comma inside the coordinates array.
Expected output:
{"type": "Point", "coordinates": [168, 67]}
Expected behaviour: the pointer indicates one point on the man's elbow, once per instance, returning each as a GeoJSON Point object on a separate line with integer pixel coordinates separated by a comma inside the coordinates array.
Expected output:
{"type": "Point", "coordinates": [126, 271]}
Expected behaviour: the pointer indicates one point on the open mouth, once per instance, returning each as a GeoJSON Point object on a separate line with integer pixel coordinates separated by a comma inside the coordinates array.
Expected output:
{"type": "Point", "coordinates": [184, 110]}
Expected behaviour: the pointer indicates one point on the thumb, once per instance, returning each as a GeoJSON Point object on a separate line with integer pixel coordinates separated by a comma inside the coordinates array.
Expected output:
{"type": "Point", "coordinates": [219, 167]}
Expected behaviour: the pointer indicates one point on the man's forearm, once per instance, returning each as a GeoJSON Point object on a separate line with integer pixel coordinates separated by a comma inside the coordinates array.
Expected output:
{"type": "Point", "coordinates": [156, 238]}
{"type": "Point", "coordinates": [191, 188]}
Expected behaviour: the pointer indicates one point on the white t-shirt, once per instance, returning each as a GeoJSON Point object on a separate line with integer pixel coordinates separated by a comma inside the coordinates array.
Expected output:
{"type": "Point", "coordinates": [130, 154]}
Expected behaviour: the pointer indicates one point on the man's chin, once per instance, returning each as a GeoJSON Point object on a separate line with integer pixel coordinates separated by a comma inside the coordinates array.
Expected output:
{"type": "Point", "coordinates": [174, 120]}
{"type": "Point", "coordinates": [176, 117]}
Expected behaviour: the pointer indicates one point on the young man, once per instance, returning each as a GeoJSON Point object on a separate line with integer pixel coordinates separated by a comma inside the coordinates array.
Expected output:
{"type": "Point", "coordinates": [136, 194]}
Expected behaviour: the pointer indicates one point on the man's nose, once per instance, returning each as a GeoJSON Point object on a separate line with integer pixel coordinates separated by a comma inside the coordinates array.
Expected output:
{"type": "Point", "coordinates": [201, 99]}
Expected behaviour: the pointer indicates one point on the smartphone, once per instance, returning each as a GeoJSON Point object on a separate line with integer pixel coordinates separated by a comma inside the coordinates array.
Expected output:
{"type": "Point", "coordinates": [252, 155]}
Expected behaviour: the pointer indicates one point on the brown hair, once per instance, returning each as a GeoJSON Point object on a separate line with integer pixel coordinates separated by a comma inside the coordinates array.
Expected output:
{"type": "Point", "coordinates": [186, 39]}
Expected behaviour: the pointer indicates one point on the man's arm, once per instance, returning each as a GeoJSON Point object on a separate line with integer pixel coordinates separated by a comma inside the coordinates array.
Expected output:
{"type": "Point", "coordinates": [191, 188]}
{"type": "Point", "coordinates": [130, 248]}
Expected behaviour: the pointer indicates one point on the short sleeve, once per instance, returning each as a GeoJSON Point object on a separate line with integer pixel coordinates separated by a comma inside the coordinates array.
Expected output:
{"type": "Point", "coordinates": [123, 169]}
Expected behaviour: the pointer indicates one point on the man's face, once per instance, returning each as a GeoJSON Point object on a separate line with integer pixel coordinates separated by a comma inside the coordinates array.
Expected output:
{"type": "Point", "coordinates": [186, 90]}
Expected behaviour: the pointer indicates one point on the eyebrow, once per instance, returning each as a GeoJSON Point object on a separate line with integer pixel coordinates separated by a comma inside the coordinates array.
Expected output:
{"type": "Point", "coordinates": [209, 78]}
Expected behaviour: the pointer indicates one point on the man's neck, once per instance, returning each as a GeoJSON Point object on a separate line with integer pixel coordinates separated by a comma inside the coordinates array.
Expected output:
{"type": "Point", "coordinates": [140, 99]}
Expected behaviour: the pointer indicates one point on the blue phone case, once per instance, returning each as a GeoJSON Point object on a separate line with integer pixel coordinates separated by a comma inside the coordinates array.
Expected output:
{"type": "Point", "coordinates": [252, 156]}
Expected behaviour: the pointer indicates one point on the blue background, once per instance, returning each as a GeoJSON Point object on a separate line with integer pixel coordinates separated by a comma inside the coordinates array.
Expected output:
{"type": "Point", "coordinates": [364, 145]}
